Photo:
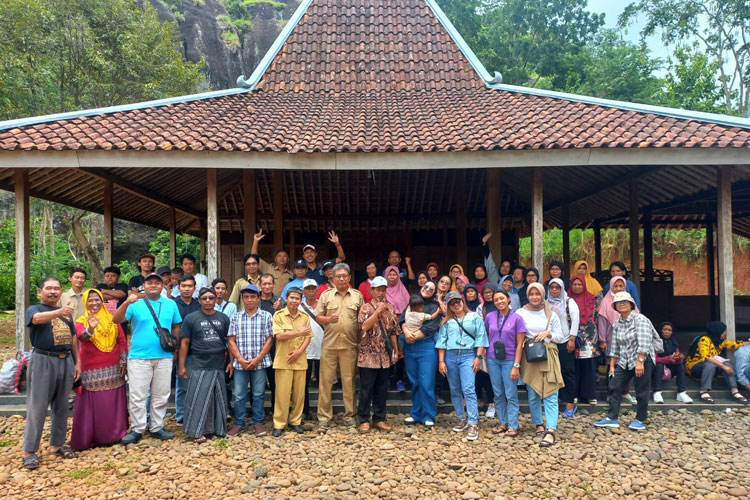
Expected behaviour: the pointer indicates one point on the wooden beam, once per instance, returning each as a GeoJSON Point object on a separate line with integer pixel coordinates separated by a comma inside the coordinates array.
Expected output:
{"type": "Point", "coordinates": [537, 219]}
{"type": "Point", "coordinates": [566, 241]}
{"type": "Point", "coordinates": [249, 220]}
{"type": "Point", "coordinates": [291, 244]}
{"type": "Point", "coordinates": [494, 195]}
{"type": "Point", "coordinates": [277, 190]}
{"type": "Point", "coordinates": [635, 243]}
{"type": "Point", "coordinates": [108, 224]}
{"type": "Point", "coordinates": [23, 284]}
{"type": "Point", "coordinates": [711, 264]}
{"type": "Point", "coordinates": [212, 224]}
{"type": "Point", "coordinates": [459, 187]}
{"type": "Point", "coordinates": [726, 263]}
{"type": "Point", "coordinates": [202, 236]}
{"type": "Point", "coordinates": [172, 238]}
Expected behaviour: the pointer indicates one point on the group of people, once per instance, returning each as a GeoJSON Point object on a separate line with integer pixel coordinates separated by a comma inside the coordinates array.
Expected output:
{"type": "Point", "coordinates": [289, 327]}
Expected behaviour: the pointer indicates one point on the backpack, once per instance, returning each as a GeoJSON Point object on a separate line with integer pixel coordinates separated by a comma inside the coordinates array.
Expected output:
{"type": "Point", "coordinates": [10, 374]}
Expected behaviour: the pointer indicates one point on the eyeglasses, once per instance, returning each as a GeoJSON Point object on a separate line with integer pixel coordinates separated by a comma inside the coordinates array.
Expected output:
{"type": "Point", "coordinates": [207, 298]}
{"type": "Point", "coordinates": [444, 282]}
{"type": "Point", "coordinates": [454, 303]}
{"type": "Point", "coordinates": [341, 276]}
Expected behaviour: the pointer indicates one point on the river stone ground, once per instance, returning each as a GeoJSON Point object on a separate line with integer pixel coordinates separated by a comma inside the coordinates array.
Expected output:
{"type": "Point", "coordinates": [681, 455]}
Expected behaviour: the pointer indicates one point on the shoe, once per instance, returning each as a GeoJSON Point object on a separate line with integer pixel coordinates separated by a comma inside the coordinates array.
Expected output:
{"type": "Point", "coordinates": [607, 422]}
{"type": "Point", "coordinates": [570, 413]}
{"type": "Point", "coordinates": [364, 427]}
{"type": "Point", "coordinates": [593, 402]}
{"type": "Point", "coordinates": [400, 386]}
{"type": "Point", "coordinates": [162, 434]}
{"type": "Point", "coordinates": [429, 424]}
{"type": "Point", "coordinates": [324, 425]}
{"type": "Point", "coordinates": [658, 399]}
{"type": "Point", "coordinates": [461, 425]}
{"type": "Point", "coordinates": [440, 400]}
{"type": "Point", "coordinates": [490, 413]}
{"type": "Point", "coordinates": [259, 429]}
{"type": "Point", "coordinates": [409, 421]}
{"type": "Point", "coordinates": [473, 432]}
{"type": "Point", "coordinates": [628, 398]}
{"type": "Point", "coordinates": [683, 397]}
{"type": "Point", "coordinates": [277, 433]}
{"type": "Point", "coordinates": [382, 426]}
{"type": "Point", "coordinates": [131, 437]}
{"type": "Point", "coordinates": [637, 425]}
{"type": "Point", "coordinates": [349, 422]}
{"type": "Point", "coordinates": [179, 422]}
{"type": "Point", "coordinates": [236, 429]}
{"type": "Point", "coordinates": [298, 429]}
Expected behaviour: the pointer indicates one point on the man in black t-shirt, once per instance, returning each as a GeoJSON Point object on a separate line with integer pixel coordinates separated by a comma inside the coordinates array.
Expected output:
{"type": "Point", "coordinates": [53, 367]}
{"type": "Point", "coordinates": [146, 263]}
{"type": "Point", "coordinates": [113, 291]}
{"type": "Point", "coordinates": [204, 338]}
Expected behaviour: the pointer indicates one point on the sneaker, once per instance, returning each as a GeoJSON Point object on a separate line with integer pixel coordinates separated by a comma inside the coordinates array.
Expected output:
{"type": "Point", "coordinates": [473, 432]}
{"type": "Point", "coordinates": [409, 421]}
{"type": "Point", "coordinates": [131, 437]}
{"type": "Point", "coordinates": [683, 397]}
{"type": "Point", "coordinates": [162, 434]}
{"type": "Point", "coordinates": [628, 398]}
{"type": "Point", "coordinates": [607, 422]}
{"type": "Point", "coordinates": [570, 413]}
{"type": "Point", "coordinates": [236, 429]}
{"type": "Point", "coordinates": [637, 425]}
{"type": "Point", "coordinates": [259, 429]}
{"type": "Point", "coordinates": [349, 422]}
{"type": "Point", "coordinates": [298, 429]}
{"type": "Point", "coordinates": [400, 386]}
{"type": "Point", "coordinates": [461, 425]}
{"type": "Point", "coordinates": [324, 424]}
{"type": "Point", "coordinates": [277, 432]}
{"type": "Point", "coordinates": [429, 424]}
{"type": "Point", "coordinates": [658, 399]}
{"type": "Point", "coordinates": [179, 422]}
{"type": "Point", "coordinates": [593, 402]}
{"type": "Point", "coordinates": [490, 413]}
{"type": "Point", "coordinates": [440, 400]}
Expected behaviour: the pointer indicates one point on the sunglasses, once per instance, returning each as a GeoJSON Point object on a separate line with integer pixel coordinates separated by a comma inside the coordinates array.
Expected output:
{"type": "Point", "coordinates": [454, 302]}
{"type": "Point", "coordinates": [207, 298]}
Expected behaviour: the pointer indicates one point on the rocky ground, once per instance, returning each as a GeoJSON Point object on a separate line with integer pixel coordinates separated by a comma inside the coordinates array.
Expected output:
{"type": "Point", "coordinates": [681, 455]}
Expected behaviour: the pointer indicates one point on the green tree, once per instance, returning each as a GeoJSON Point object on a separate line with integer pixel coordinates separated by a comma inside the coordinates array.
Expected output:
{"type": "Point", "coordinates": [691, 82]}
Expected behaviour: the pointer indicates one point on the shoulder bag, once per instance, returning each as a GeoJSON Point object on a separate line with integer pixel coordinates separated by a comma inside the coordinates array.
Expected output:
{"type": "Point", "coordinates": [536, 351]}
{"type": "Point", "coordinates": [167, 340]}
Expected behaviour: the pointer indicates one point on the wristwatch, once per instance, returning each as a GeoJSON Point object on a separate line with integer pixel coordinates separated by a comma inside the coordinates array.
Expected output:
{"type": "Point", "coordinates": [642, 359]}
{"type": "Point", "coordinates": [516, 365]}
{"type": "Point", "coordinates": [480, 356]}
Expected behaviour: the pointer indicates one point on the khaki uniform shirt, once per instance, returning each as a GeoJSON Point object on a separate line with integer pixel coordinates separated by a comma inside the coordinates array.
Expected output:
{"type": "Point", "coordinates": [76, 300]}
{"type": "Point", "coordinates": [239, 285]}
{"type": "Point", "coordinates": [344, 333]}
{"type": "Point", "coordinates": [283, 321]}
{"type": "Point", "coordinates": [280, 278]}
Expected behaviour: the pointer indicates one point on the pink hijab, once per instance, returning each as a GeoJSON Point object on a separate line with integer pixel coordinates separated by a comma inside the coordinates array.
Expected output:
{"type": "Point", "coordinates": [605, 307]}
{"type": "Point", "coordinates": [396, 294]}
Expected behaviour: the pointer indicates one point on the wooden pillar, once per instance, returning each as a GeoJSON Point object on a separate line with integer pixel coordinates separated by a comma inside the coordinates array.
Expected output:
{"type": "Point", "coordinates": [202, 266]}
{"type": "Point", "coordinates": [108, 224]}
{"type": "Point", "coordinates": [408, 242]}
{"type": "Point", "coordinates": [635, 243]}
{"type": "Point", "coordinates": [459, 188]}
{"type": "Point", "coordinates": [566, 241]}
{"type": "Point", "coordinates": [23, 284]}
{"type": "Point", "coordinates": [711, 265]}
{"type": "Point", "coordinates": [278, 210]}
{"type": "Point", "coordinates": [494, 196]}
{"type": "Point", "coordinates": [597, 249]}
{"type": "Point", "coordinates": [291, 244]}
{"type": "Point", "coordinates": [726, 263]}
{"type": "Point", "coordinates": [648, 246]}
{"type": "Point", "coordinates": [212, 224]}
{"type": "Point", "coordinates": [537, 219]}
{"type": "Point", "coordinates": [172, 238]}
{"type": "Point", "coordinates": [250, 222]}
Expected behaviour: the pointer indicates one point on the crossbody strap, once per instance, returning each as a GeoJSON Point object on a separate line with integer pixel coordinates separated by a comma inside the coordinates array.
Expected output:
{"type": "Point", "coordinates": [153, 314]}
{"type": "Point", "coordinates": [310, 313]}
{"type": "Point", "coordinates": [460, 324]}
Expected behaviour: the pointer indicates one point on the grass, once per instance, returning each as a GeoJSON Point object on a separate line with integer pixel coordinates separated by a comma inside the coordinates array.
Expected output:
{"type": "Point", "coordinates": [7, 442]}
{"type": "Point", "coordinates": [221, 443]}
{"type": "Point", "coordinates": [81, 473]}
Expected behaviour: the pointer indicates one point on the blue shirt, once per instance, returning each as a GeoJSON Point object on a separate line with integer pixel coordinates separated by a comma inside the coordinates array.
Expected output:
{"type": "Point", "coordinates": [316, 274]}
{"type": "Point", "coordinates": [452, 336]}
{"type": "Point", "coordinates": [226, 307]}
{"type": "Point", "coordinates": [144, 343]}
{"type": "Point", "coordinates": [295, 282]}
{"type": "Point", "coordinates": [742, 364]}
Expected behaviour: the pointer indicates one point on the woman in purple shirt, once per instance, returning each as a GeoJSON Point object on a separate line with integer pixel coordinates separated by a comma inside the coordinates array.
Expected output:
{"type": "Point", "coordinates": [506, 331]}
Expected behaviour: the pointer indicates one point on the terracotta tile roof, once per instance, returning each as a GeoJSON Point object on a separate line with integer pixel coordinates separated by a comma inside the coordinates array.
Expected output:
{"type": "Point", "coordinates": [372, 75]}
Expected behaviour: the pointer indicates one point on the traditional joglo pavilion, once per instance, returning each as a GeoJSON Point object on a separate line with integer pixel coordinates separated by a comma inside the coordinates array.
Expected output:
{"type": "Point", "coordinates": [374, 118]}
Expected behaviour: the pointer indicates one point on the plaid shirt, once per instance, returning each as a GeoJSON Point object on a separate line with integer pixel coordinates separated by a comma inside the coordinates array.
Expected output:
{"type": "Point", "coordinates": [250, 334]}
{"type": "Point", "coordinates": [631, 337]}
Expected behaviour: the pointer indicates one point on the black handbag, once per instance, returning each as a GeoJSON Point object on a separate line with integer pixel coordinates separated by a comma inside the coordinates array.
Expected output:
{"type": "Point", "coordinates": [534, 351]}
{"type": "Point", "coordinates": [499, 346]}
{"type": "Point", "coordinates": [167, 340]}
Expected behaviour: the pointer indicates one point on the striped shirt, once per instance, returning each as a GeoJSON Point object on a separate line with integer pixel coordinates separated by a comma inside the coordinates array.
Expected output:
{"type": "Point", "coordinates": [250, 334]}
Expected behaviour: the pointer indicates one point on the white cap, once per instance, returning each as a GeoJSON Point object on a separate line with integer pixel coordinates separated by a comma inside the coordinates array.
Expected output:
{"type": "Point", "coordinates": [309, 282]}
{"type": "Point", "coordinates": [378, 281]}
{"type": "Point", "coordinates": [309, 246]}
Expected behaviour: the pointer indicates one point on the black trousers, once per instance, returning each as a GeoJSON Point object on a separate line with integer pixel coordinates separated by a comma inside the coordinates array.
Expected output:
{"type": "Point", "coordinates": [373, 390]}
{"type": "Point", "coordinates": [312, 367]}
{"type": "Point", "coordinates": [586, 378]}
{"type": "Point", "coordinates": [482, 382]}
{"type": "Point", "coordinates": [642, 390]}
{"type": "Point", "coordinates": [678, 371]}
{"type": "Point", "coordinates": [568, 370]}
{"type": "Point", "coordinates": [271, 376]}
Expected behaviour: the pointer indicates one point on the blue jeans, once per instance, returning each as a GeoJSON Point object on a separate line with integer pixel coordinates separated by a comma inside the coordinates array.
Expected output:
{"type": "Point", "coordinates": [550, 408]}
{"type": "Point", "coordinates": [506, 392]}
{"type": "Point", "coordinates": [257, 380]}
{"type": "Point", "coordinates": [421, 360]}
{"type": "Point", "coordinates": [461, 378]}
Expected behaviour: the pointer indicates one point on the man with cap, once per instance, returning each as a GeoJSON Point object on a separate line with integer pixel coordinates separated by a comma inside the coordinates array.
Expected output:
{"type": "Point", "coordinates": [300, 275]}
{"type": "Point", "coordinates": [187, 261]}
{"type": "Point", "coordinates": [292, 333]}
{"type": "Point", "coordinates": [337, 310]}
{"type": "Point", "coordinates": [113, 291]}
{"type": "Point", "coordinates": [250, 337]}
{"type": "Point", "coordinates": [204, 337]}
{"type": "Point", "coordinates": [378, 350]}
{"type": "Point", "coordinates": [145, 264]}
{"type": "Point", "coordinates": [149, 366]}
{"type": "Point", "coordinates": [310, 255]}
{"type": "Point", "coordinates": [186, 305]}
{"type": "Point", "coordinates": [279, 269]}
{"type": "Point", "coordinates": [166, 276]}
{"type": "Point", "coordinates": [251, 262]}
{"type": "Point", "coordinates": [633, 354]}
{"type": "Point", "coordinates": [312, 353]}
{"type": "Point", "coordinates": [327, 267]}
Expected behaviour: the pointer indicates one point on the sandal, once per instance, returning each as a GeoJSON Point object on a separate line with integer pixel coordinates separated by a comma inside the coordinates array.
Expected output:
{"type": "Point", "coordinates": [31, 462]}
{"type": "Point", "coordinates": [570, 413]}
{"type": "Point", "coordinates": [546, 444]}
{"type": "Point", "coordinates": [511, 433]}
{"type": "Point", "coordinates": [706, 398]}
{"type": "Point", "coordinates": [199, 440]}
{"type": "Point", "coordinates": [740, 398]}
{"type": "Point", "coordinates": [500, 429]}
{"type": "Point", "coordinates": [65, 452]}
{"type": "Point", "coordinates": [539, 430]}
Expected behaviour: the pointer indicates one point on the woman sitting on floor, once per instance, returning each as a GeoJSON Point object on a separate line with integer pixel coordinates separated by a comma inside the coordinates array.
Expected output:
{"type": "Point", "coordinates": [705, 357]}
{"type": "Point", "coordinates": [670, 359]}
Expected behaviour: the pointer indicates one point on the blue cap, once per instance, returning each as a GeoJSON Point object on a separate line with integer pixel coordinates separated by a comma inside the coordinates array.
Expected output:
{"type": "Point", "coordinates": [300, 263]}
{"type": "Point", "coordinates": [328, 263]}
{"type": "Point", "coordinates": [250, 288]}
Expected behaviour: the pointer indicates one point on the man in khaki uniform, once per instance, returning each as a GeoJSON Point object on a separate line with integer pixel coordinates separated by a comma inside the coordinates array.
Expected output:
{"type": "Point", "coordinates": [279, 268]}
{"type": "Point", "coordinates": [292, 332]}
{"type": "Point", "coordinates": [338, 309]}
{"type": "Point", "coordinates": [74, 294]}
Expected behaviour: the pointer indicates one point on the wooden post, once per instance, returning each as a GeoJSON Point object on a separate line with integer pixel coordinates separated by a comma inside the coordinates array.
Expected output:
{"type": "Point", "coordinates": [202, 265]}
{"type": "Point", "coordinates": [278, 210]}
{"type": "Point", "coordinates": [597, 249]}
{"type": "Point", "coordinates": [726, 264]}
{"type": "Point", "coordinates": [250, 222]}
{"type": "Point", "coordinates": [566, 241]}
{"type": "Point", "coordinates": [291, 244]}
{"type": "Point", "coordinates": [711, 264]}
{"type": "Point", "coordinates": [212, 224]}
{"type": "Point", "coordinates": [494, 196]}
{"type": "Point", "coordinates": [537, 219]}
{"type": "Point", "coordinates": [459, 188]}
{"type": "Point", "coordinates": [108, 224]}
{"type": "Point", "coordinates": [172, 238]}
{"type": "Point", "coordinates": [635, 243]}
{"type": "Point", "coordinates": [648, 257]}
{"type": "Point", "coordinates": [23, 284]}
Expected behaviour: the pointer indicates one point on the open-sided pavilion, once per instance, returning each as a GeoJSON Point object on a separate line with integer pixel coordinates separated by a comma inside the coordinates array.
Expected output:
{"type": "Point", "coordinates": [376, 119]}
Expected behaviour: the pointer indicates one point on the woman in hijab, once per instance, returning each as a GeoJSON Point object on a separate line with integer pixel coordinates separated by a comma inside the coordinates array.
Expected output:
{"type": "Point", "coordinates": [705, 358]}
{"type": "Point", "coordinates": [480, 275]}
{"type": "Point", "coordinates": [581, 268]}
{"type": "Point", "coordinates": [488, 304]}
{"type": "Point", "coordinates": [100, 413]}
{"type": "Point", "coordinates": [669, 359]}
{"type": "Point", "coordinates": [567, 310]}
{"type": "Point", "coordinates": [460, 283]}
{"type": "Point", "coordinates": [619, 268]}
{"type": "Point", "coordinates": [556, 271]}
{"type": "Point", "coordinates": [396, 294]}
{"type": "Point", "coordinates": [471, 296]}
{"type": "Point", "coordinates": [543, 378]}
{"type": "Point", "coordinates": [433, 271]}
{"type": "Point", "coordinates": [454, 272]}
{"type": "Point", "coordinates": [589, 347]}
{"type": "Point", "coordinates": [422, 278]}
{"type": "Point", "coordinates": [506, 283]}
{"type": "Point", "coordinates": [531, 275]}
{"type": "Point", "coordinates": [371, 270]}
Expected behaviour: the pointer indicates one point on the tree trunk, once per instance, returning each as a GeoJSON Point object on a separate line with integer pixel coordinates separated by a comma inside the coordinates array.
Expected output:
{"type": "Point", "coordinates": [91, 255]}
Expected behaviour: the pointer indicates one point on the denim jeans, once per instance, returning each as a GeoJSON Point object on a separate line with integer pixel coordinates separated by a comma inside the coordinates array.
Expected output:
{"type": "Point", "coordinates": [550, 408]}
{"type": "Point", "coordinates": [421, 360]}
{"type": "Point", "coordinates": [461, 381]}
{"type": "Point", "coordinates": [257, 380]}
{"type": "Point", "coordinates": [506, 392]}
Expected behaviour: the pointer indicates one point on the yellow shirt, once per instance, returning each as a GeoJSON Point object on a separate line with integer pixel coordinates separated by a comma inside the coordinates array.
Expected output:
{"type": "Point", "coordinates": [239, 285]}
{"type": "Point", "coordinates": [344, 334]}
{"type": "Point", "coordinates": [283, 321]}
{"type": "Point", "coordinates": [706, 349]}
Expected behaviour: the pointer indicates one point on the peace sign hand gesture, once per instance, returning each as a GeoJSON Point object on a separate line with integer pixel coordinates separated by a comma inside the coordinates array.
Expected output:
{"type": "Point", "coordinates": [259, 235]}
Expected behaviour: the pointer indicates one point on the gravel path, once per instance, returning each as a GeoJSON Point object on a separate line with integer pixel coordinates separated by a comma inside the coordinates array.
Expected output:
{"type": "Point", "coordinates": [680, 455]}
